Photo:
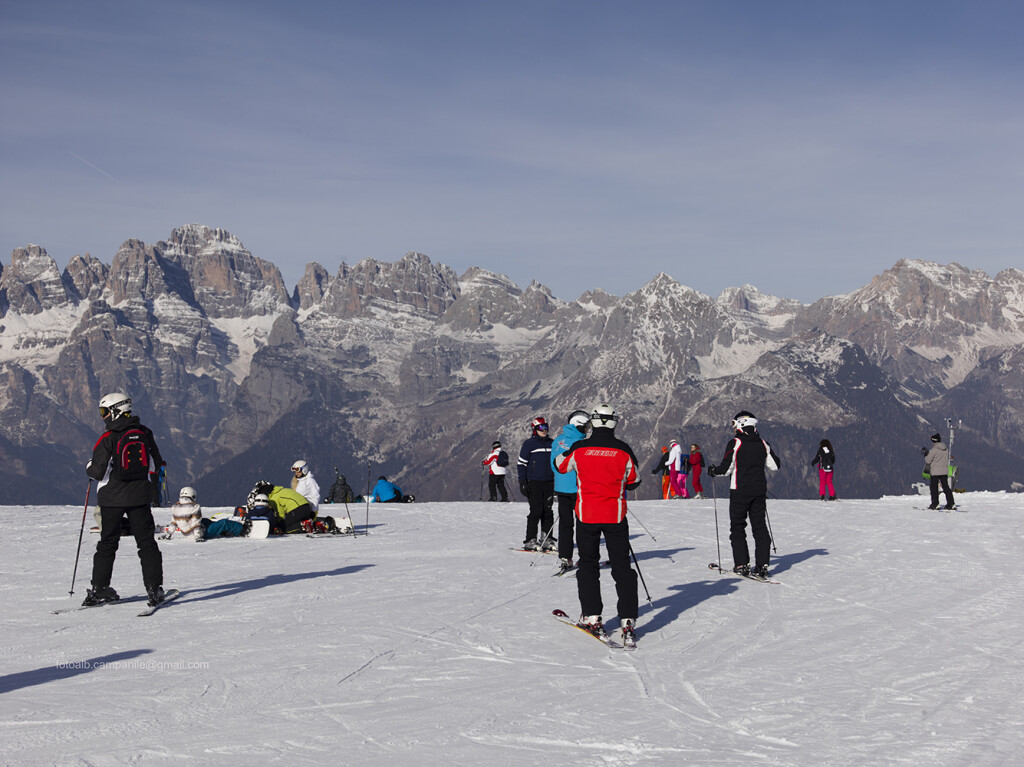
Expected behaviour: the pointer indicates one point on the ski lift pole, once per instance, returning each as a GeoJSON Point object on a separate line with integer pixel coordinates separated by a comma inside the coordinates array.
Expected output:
{"type": "Point", "coordinates": [78, 551]}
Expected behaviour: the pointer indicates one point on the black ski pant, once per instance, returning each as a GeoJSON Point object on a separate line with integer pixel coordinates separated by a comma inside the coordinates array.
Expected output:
{"type": "Point", "coordinates": [495, 485]}
{"type": "Point", "coordinates": [755, 507]}
{"type": "Point", "coordinates": [292, 521]}
{"type": "Point", "coordinates": [588, 576]}
{"type": "Point", "coordinates": [566, 523]}
{"type": "Point", "coordinates": [541, 497]}
{"type": "Point", "coordinates": [943, 480]}
{"type": "Point", "coordinates": [143, 528]}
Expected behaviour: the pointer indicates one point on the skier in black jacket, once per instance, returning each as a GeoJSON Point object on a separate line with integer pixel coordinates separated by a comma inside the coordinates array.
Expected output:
{"type": "Point", "coordinates": [746, 457]}
{"type": "Point", "coordinates": [124, 460]}
{"type": "Point", "coordinates": [537, 484]}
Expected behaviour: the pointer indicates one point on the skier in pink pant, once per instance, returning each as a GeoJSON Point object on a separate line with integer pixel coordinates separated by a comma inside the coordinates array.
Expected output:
{"type": "Point", "coordinates": [677, 477]}
{"type": "Point", "coordinates": [826, 459]}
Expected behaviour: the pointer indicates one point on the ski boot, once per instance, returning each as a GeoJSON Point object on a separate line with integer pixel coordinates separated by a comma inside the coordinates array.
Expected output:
{"type": "Point", "coordinates": [156, 595]}
{"type": "Point", "coordinates": [592, 625]}
{"type": "Point", "coordinates": [99, 596]}
{"type": "Point", "coordinates": [760, 572]}
{"type": "Point", "coordinates": [564, 566]}
{"type": "Point", "coordinates": [531, 545]}
{"type": "Point", "coordinates": [743, 570]}
{"type": "Point", "coordinates": [628, 632]}
{"type": "Point", "coordinates": [549, 545]}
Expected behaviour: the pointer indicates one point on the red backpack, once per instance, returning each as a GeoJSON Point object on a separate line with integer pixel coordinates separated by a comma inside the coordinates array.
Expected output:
{"type": "Point", "coordinates": [131, 457]}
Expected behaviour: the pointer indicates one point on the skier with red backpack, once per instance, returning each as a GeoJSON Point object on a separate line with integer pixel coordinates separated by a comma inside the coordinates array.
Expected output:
{"type": "Point", "coordinates": [125, 460]}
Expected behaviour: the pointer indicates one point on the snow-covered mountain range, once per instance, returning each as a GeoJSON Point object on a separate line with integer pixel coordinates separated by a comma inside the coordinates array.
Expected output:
{"type": "Point", "coordinates": [410, 370]}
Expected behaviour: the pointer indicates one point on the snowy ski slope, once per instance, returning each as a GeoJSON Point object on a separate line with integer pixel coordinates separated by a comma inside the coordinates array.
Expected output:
{"type": "Point", "coordinates": [895, 638]}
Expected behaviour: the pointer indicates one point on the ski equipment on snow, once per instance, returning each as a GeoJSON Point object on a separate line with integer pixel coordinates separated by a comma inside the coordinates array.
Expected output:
{"type": "Point", "coordinates": [169, 596]}
{"type": "Point", "coordinates": [562, 617]}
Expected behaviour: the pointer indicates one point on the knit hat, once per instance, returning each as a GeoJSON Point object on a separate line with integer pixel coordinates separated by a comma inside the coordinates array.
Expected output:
{"type": "Point", "coordinates": [494, 445]}
{"type": "Point", "coordinates": [936, 438]}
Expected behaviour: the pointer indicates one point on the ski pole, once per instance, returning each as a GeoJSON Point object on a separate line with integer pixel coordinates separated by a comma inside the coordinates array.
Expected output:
{"type": "Point", "coordinates": [541, 549]}
{"type": "Point", "coordinates": [633, 514]}
{"type": "Point", "coordinates": [770, 533]}
{"type": "Point", "coordinates": [718, 544]}
{"type": "Point", "coordinates": [366, 529]}
{"type": "Point", "coordinates": [483, 470]}
{"type": "Point", "coordinates": [78, 551]}
{"type": "Point", "coordinates": [640, 573]}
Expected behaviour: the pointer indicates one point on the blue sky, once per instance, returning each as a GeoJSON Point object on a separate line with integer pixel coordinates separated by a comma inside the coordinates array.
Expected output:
{"type": "Point", "coordinates": [802, 147]}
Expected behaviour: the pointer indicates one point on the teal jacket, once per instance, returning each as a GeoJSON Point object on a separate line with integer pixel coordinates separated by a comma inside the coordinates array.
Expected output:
{"type": "Point", "coordinates": [570, 435]}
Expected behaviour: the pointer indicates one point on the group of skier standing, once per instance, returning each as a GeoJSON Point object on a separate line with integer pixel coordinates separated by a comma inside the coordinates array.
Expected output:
{"type": "Point", "coordinates": [590, 477]}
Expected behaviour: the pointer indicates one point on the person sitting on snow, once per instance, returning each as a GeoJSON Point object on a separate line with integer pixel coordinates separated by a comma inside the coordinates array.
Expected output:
{"type": "Point", "coordinates": [189, 521]}
{"type": "Point", "coordinates": [303, 482]}
{"type": "Point", "coordinates": [290, 508]}
{"type": "Point", "coordinates": [387, 492]}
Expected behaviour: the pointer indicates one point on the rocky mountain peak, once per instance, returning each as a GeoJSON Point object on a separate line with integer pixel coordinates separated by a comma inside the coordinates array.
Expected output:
{"type": "Point", "coordinates": [32, 283]}
{"type": "Point", "coordinates": [411, 285]}
{"type": "Point", "coordinates": [227, 280]}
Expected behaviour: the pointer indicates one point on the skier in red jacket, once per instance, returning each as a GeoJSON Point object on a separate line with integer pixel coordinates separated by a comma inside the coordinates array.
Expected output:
{"type": "Point", "coordinates": [605, 469]}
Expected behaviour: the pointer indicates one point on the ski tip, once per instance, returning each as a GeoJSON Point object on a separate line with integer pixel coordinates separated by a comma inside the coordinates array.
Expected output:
{"type": "Point", "coordinates": [559, 613]}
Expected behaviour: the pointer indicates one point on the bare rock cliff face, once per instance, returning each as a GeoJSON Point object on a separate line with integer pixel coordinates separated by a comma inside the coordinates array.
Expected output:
{"type": "Point", "coordinates": [409, 370]}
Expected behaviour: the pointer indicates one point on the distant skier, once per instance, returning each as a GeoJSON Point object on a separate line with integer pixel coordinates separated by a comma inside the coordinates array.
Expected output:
{"type": "Point", "coordinates": [661, 469]}
{"type": "Point", "coordinates": [574, 430]}
{"type": "Point", "coordinates": [696, 461]}
{"type": "Point", "coordinates": [825, 459]}
{"type": "Point", "coordinates": [936, 464]}
{"type": "Point", "coordinates": [605, 468]}
{"type": "Point", "coordinates": [746, 457]}
{"type": "Point", "coordinates": [125, 460]}
{"type": "Point", "coordinates": [677, 477]}
{"type": "Point", "coordinates": [537, 484]}
{"type": "Point", "coordinates": [304, 483]}
{"type": "Point", "coordinates": [497, 466]}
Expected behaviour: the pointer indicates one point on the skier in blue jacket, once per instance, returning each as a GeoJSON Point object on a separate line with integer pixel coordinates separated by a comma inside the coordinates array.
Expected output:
{"type": "Point", "coordinates": [574, 430]}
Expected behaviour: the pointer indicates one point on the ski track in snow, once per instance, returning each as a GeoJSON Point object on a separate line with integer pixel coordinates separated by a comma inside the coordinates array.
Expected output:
{"type": "Point", "coordinates": [894, 639]}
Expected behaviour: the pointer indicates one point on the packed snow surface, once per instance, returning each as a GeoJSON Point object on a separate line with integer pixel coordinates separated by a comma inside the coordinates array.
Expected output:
{"type": "Point", "coordinates": [896, 637]}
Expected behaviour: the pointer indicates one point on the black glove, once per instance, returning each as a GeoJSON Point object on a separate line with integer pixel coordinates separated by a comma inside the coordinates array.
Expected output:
{"type": "Point", "coordinates": [524, 487]}
{"type": "Point", "coordinates": [924, 451]}
{"type": "Point", "coordinates": [712, 470]}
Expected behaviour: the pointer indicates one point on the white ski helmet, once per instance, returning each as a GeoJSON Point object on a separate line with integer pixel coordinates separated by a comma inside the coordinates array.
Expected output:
{"type": "Point", "coordinates": [744, 419]}
{"type": "Point", "coordinates": [604, 417]}
{"type": "Point", "coordinates": [115, 405]}
{"type": "Point", "coordinates": [302, 466]}
{"type": "Point", "coordinates": [187, 495]}
{"type": "Point", "coordinates": [579, 418]}
{"type": "Point", "coordinates": [261, 499]}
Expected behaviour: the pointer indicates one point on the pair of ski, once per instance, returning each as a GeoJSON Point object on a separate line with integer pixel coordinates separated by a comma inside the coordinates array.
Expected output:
{"type": "Point", "coordinates": [562, 617]}
{"type": "Point", "coordinates": [940, 508]}
{"type": "Point", "coordinates": [169, 596]}
{"type": "Point", "coordinates": [748, 576]}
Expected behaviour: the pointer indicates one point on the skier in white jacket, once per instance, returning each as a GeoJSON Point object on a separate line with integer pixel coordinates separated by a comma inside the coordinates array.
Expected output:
{"type": "Point", "coordinates": [305, 484]}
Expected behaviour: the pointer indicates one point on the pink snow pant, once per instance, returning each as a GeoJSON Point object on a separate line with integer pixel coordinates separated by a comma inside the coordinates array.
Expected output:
{"type": "Point", "coordinates": [825, 483]}
{"type": "Point", "coordinates": [678, 480]}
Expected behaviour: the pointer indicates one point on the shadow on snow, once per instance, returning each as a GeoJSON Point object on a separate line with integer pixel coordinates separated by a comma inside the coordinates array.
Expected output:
{"type": "Point", "coordinates": [64, 670]}
{"type": "Point", "coordinates": [239, 587]}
